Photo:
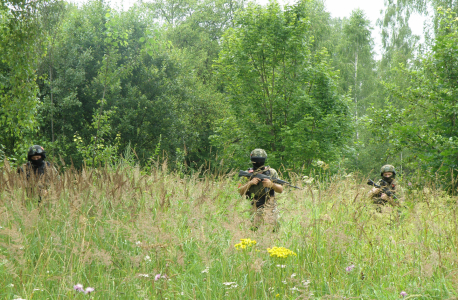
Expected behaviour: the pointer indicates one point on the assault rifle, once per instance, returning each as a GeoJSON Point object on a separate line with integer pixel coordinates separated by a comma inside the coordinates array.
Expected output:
{"type": "Point", "coordinates": [384, 189]}
{"type": "Point", "coordinates": [262, 176]}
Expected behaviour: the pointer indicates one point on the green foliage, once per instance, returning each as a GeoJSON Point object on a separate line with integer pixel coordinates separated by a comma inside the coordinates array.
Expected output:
{"type": "Point", "coordinates": [283, 98]}
{"type": "Point", "coordinates": [123, 64]}
{"type": "Point", "coordinates": [205, 82]}
{"type": "Point", "coordinates": [421, 116]}
{"type": "Point", "coordinates": [97, 151]}
{"type": "Point", "coordinates": [19, 51]}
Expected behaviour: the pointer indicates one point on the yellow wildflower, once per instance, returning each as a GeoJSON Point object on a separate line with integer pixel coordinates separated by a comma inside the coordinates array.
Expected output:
{"type": "Point", "coordinates": [245, 243]}
{"type": "Point", "coordinates": [280, 252]}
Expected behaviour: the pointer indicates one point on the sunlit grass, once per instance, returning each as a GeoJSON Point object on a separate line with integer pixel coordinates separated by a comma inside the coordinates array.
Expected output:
{"type": "Point", "coordinates": [157, 236]}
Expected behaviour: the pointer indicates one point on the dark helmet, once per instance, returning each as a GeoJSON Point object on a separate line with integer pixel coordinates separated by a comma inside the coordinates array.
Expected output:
{"type": "Point", "coordinates": [36, 150]}
{"type": "Point", "coordinates": [388, 168]}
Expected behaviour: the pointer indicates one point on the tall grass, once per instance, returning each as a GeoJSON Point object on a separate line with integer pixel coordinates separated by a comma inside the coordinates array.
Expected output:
{"type": "Point", "coordinates": [117, 229]}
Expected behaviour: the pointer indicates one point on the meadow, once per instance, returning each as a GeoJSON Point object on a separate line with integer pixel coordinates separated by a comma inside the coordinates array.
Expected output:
{"type": "Point", "coordinates": [128, 234]}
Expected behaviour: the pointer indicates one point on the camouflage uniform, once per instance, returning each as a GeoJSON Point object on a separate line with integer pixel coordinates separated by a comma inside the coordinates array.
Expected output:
{"type": "Point", "coordinates": [390, 183]}
{"type": "Point", "coordinates": [391, 187]}
{"type": "Point", "coordinates": [264, 206]}
{"type": "Point", "coordinates": [37, 176]}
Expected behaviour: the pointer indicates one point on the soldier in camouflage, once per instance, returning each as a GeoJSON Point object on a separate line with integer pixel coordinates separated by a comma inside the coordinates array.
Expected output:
{"type": "Point", "coordinates": [37, 171]}
{"type": "Point", "coordinates": [388, 181]}
{"type": "Point", "coordinates": [262, 193]}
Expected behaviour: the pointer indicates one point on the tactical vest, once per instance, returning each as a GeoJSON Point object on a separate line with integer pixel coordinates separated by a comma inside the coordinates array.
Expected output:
{"type": "Point", "coordinates": [258, 193]}
{"type": "Point", "coordinates": [391, 186]}
{"type": "Point", "coordinates": [28, 168]}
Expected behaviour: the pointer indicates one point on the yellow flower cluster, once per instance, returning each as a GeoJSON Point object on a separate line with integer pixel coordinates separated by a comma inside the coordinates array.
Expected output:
{"type": "Point", "coordinates": [244, 243]}
{"type": "Point", "coordinates": [280, 252]}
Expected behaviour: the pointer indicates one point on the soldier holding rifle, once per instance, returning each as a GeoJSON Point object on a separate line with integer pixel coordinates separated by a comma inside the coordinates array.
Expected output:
{"type": "Point", "coordinates": [384, 191]}
{"type": "Point", "coordinates": [262, 192]}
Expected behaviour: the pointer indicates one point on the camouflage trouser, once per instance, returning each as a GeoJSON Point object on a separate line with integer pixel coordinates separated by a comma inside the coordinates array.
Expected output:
{"type": "Point", "coordinates": [379, 201]}
{"type": "Point", "coordinates": [266, 214]}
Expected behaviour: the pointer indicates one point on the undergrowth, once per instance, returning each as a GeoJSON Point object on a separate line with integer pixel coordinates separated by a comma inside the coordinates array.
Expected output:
{"type": "Point", "coordinates": [161, 235]}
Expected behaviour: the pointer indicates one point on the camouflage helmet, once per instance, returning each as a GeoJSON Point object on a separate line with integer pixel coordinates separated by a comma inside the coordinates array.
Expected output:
{"type": "Point", "coordinates": [258, 153]}
{"type": "Point", "coordinates": [36, 150]}
{"type": "Point", "coordinates": [387, 168]}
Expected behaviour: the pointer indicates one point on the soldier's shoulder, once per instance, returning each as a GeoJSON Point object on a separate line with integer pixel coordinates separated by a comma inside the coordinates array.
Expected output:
{"type": "Point", "coordinates": [50, 167]}
{"type": "Point", "coordinates": [273, 172]}
{"type": "Point", "coordinates": [23, 167]}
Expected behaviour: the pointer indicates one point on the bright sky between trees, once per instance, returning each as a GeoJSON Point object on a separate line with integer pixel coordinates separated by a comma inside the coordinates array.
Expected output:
{"type": "Point", "coordinates": [337, 9]}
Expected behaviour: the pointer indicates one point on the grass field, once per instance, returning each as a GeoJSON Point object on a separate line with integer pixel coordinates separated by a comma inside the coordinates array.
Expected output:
{"type": "Point", "coordinates": [161, 236]}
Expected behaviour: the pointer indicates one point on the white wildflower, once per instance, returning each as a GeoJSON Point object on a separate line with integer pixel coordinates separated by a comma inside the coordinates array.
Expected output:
{"type": "Point", "coordinates": [307, 180]}
{"type": "Point", "coordinates": [230, 285]}
{"type": "Point", "coordinates": [206, 270]}
{"type": "Point", "coordinates": [306, 282]}
{"type": "Point", "coordinates": [147, 258]}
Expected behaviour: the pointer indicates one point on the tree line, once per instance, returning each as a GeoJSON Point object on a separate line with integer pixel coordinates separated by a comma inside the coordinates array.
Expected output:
{"type": "Point", "coordinates": [205, 82]}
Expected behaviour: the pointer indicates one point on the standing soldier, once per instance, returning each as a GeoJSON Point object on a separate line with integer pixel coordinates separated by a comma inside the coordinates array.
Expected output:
{"type": "Point", "coordinates": [262, 193]}
{"type": "Point", "coordinates": [37, 171]}
{"type": "Point", "coordinates": [388, 185]}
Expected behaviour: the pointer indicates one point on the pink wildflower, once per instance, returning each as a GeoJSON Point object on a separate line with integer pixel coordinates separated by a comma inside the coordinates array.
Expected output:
{"type": "Point", "coordinates": [78, 287]}
{"type": "Point", "coordinates": [349, 268]}
{"type": "Point", "coordinates": [89, 290]}
{"type": "Point", "coordinates": [403, 294]}
{"type": "Point", "coordinates": [157, 277]}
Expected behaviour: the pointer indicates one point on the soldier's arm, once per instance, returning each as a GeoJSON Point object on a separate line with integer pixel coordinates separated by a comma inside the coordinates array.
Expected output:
{"type": "Point", "coordinates": [374, 192]}
{"type": "Point", "coordinates": [278, 188]}
{"type": "Point", "coordinates": [243, 189]}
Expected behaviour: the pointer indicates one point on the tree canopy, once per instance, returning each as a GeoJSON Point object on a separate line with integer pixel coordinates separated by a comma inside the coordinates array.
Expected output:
{"type": "Point", "coordinates": [202, 83]}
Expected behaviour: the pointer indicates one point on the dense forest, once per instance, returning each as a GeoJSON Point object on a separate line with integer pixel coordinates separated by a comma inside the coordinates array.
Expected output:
{"type": "Point", "coordinates": [202, 83]}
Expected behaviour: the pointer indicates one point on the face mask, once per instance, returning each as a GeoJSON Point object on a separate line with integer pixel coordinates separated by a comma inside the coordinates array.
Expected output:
{"type": "Point", "coordinates": [257, 162]}
{"type": "Point", "coordinates": [257, 165]}
{"type": "Point", "coordinates": [37, 163]}
{"type": "Point", "coordinates": [388, 179]}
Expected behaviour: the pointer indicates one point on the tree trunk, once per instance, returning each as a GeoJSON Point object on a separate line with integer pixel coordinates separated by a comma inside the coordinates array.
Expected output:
{"type": "Point", "coordinates": [356, 97]}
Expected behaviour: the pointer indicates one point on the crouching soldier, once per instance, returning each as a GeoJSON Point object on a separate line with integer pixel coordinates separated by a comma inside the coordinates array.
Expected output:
{"type": "Point", "coordinates": [384, 190]}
